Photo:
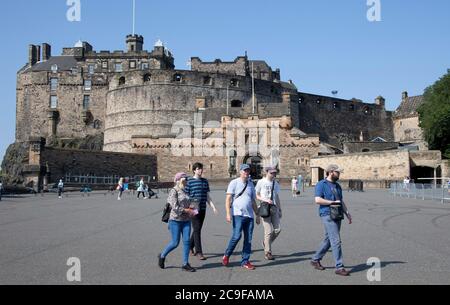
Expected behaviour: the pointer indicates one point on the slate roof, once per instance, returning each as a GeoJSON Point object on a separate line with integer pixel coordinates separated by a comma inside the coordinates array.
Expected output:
{"type": "Point", "coordinates": [409, 107]}
{"type": "Point", "coordinates": [64, 63]}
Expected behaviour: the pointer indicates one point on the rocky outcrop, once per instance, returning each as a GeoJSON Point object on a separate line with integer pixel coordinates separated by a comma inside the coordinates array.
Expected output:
{"type": "Point", "coordinates": [15, 159]}
{"type": "Point", "coordinates": [17, 155]}
{"type": "Point", "coordinates": [94, 143]}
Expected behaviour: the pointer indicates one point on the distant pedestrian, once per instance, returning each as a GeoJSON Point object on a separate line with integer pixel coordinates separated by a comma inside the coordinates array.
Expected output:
{"type": "Point", "coordinates": [406, 183]}
{"type": "Point", "coordinates": [120, 188]}
{"type": "Point", "coordinates": [301, 184]}
{"type": "Point", "coordinates": [240, 208]}
{"type": "Point", "coordinates": [179, 222]}
{"type": "Point", "coordinates": [141, 188]}
{"type": "Point", "coordinates": [1, 190]}
{"type": "Point", "coordinates": [198, 189]}
{"type": "Point", "coordinates": [329, 194]}
{"type": "Point", "coordinates": [60, 188]}
{"type": "Point", "coordinates": [294, 186]}
{"type": "Point", "coordinates": [268, 190]}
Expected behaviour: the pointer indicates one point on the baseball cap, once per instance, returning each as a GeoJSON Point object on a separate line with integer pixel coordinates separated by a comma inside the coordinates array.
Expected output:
{"type": "Point", "coordinates": [271, 169]}
{"type": "Point", "coordinates": [244, 167]}
{"type": "Point", "coordinates": [334, 168]}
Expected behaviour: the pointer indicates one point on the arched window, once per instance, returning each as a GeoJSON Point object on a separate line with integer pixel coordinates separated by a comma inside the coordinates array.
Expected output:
{"type": "Point", "coordinates": [147, 78]}
{"type": "Point", "coordinates": [207, 81]}
{"type": "Point", "coordinates": [234, 83]}
{"type": "Point", "coordinates": [122, 81]}
{"type": "Point", "coordinates": [54, 68]}
{"type": "Point", "coordinates": [177, 78]}
{"type": "Point", "coordinates": [97, 124]}
{"type": "Point", "coordinates": [367, 110]}
{"type": "Point", "coordinates": [237, 104]}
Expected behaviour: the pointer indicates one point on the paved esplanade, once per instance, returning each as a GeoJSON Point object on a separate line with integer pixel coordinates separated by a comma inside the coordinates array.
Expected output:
{"type": "Point", "coordinates": [118, 241]}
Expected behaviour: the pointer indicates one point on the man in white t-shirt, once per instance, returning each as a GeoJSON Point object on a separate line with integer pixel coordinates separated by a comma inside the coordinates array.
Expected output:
{"type": "Point", "coordinates": [268, 190]}
{"type": "Point", "coordinates": [241, 208]}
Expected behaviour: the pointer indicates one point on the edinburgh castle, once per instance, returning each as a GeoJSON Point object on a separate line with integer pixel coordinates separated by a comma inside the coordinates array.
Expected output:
{"type": "Point", "coordinates": [103, 113]}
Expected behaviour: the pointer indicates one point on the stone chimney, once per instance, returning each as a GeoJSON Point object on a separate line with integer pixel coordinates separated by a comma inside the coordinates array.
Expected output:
{"type": "Point", "coordinates": [380, 101]}
{"type": "Point", "coordinates": [32, 59]}
{"type": "Point", "coordinates": [404, 96]}
{"type": "Point", "coordinates": [46, 51]}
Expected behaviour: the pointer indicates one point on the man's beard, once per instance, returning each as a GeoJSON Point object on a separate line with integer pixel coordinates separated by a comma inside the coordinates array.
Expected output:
{"type": "Point", "coordinates": [335, 179]}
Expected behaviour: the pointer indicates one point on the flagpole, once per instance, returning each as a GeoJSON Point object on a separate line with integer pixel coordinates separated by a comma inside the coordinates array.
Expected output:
{"type": "Point", "coordinates": [228, 100]}
{"type": "Point", "coordinates": [253, 91]}
{"type": "Point", "coordinates": [134, 17]}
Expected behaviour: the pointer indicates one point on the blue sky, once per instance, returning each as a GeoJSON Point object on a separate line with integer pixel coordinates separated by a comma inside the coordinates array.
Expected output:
{"type": "Point", "coordinates": [322, 45]}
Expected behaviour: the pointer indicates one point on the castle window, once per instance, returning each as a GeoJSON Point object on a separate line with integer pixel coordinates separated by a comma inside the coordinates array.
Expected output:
{"type": "Point", "coordinates": [53, 84]}
{"type": "Point", "coordinates": [237, 104]}
{"type": "Point", "coordinates": [207, 81]}
{"type": "Point", "coordinates": [104, 64]}
{"type": "Point", "coordinates": [300, 100]}
{"type": "Point", "coordinates": [132, 64]}
{"type": "Point", "coordinates": [86, 101]}
{"type": "Point", "coordinates": [97, 124]}
{"type": "Point", "coordinates": [367, 111]}
{"type": "Point", "coordinates": [352, 107]}
{"type": "Point", "coordinates": [54, 68]}
{"type": "Point", "coordinates": [145, 66]}
{"type": "Point", "coordinates": [336, 106]}
{"type": "Point", "coordinates": [118, 67]}
{"type": "Point", "coordinates": [147, 78]}
{"type": "Point", "coordinates": [318, 102]}
{"type": "Point", "coordinates": [234, 83]}
{"type": "Point", "coordinates": [122, 81]}
{"type": "Point", "coordinates": [91, 69]}
{"type": "Point", "coordinates": [365, 150]}
{"type": "Point", "coordinates": [87, 85]}
{"type": "Point", "coordinates": [53, 102]}
{"type": "Point", "coordinates": [177, 78]}
{"type": "Point", "coordinates": [211, 166]}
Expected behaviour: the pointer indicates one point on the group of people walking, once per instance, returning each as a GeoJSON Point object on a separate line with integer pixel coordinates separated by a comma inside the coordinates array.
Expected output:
{"type": "Point", "coordinates": [191, 196]}
{"type": "Point", "coordinates": [141, 187]}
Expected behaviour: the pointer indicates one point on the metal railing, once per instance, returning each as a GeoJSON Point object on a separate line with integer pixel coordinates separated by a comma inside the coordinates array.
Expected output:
{"type": "Point", "coordinates": [421, 191]}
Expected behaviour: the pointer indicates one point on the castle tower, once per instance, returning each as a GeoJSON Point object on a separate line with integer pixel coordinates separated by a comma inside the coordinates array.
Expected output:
{"type": "Point", "coordinates": [135, 43]}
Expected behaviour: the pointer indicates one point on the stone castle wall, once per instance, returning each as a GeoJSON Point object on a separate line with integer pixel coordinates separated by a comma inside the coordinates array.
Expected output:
{"type": "Point", "coordinates": [339, 121]}
{"type": "Point", "coordinates": [150, 108]}
{"type": "Point", "coordinates": [79, 162]}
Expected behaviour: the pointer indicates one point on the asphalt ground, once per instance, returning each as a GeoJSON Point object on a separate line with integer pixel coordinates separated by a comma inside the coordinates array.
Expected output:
{"type": "Point", "coordinates": [117, 242]}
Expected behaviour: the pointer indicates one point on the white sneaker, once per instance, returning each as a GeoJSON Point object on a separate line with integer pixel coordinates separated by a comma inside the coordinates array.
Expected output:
{"type": "Point", "coordinates": [119, 198]}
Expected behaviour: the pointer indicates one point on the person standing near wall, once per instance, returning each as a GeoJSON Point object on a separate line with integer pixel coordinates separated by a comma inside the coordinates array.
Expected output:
{"type": "Point", "coordinates": [60, 188]}
{"type": "Point", "coordinates": [141, 188]}
{"type": "Point", "coordinates": [120, 188]}
{"type": "Point", "coordinates": [294, 186]}
{"type": "Point", "coordinates": [1, 190]}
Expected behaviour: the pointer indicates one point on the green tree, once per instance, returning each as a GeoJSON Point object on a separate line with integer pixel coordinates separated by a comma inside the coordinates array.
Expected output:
{"type": "Point", "coordinates": [434, 115]}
